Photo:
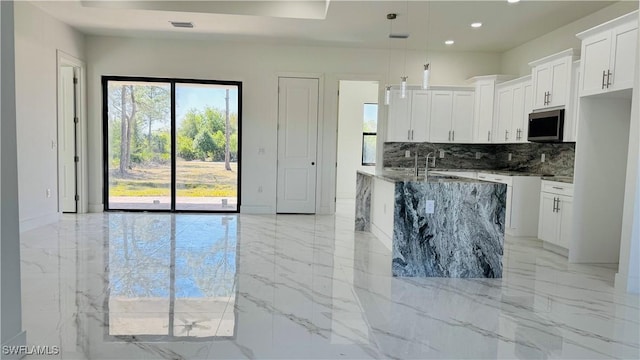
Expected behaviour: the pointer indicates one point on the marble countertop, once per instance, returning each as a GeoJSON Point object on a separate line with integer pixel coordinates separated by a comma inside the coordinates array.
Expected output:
{"type": "Point", "coordinates": [497, 172]}
{"type": "Point", "coordinates": [405, 176]}
{"type": "Point", "coordinates": [562, 179]}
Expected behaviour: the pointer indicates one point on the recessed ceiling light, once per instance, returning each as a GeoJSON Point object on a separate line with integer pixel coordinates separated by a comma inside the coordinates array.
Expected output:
{"type": "Point", "coordinates": [181, 24]}
{"type": "Point", "coordinates": [513, 1]}
{"type": "Point", "coordinates": [449, 42]}
{"type": "Point", "coordinates": [476, 24]}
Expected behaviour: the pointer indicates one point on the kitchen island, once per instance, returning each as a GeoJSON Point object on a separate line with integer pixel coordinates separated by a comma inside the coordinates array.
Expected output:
{"type": "Point", "coordinates": [445, 226]}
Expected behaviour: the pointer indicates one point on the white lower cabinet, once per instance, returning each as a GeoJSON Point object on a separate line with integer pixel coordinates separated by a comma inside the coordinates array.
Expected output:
{"type": "Point", "coordinates": [521, 213]}
{"type": "Point", "coordinates": [556, 213]}
{"type": "Point", "coordinates": [382, 204]}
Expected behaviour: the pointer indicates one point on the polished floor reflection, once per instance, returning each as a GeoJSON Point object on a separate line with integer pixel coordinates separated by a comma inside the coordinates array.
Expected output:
{"type": "Point", "coordinates": [163, 286]}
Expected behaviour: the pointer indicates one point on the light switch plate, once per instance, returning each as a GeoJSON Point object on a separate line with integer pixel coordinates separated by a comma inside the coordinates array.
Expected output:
{"type": "Point", "coordinates": [542, 158]}
{"type": "Point", "coordinates": [441, 154]}
{"type": "Point", "coordinates": [510, 156]}
{"type": "Point", "coordinates": [407, 153]}
{"type": "Point", "coordinates": [478, 155]}
{"type": "Point", "coordinates": [430, 206]}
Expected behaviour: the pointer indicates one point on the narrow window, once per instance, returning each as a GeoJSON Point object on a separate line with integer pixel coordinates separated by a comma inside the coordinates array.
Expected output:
{"type": "Point", "coordinates": [369, 134]}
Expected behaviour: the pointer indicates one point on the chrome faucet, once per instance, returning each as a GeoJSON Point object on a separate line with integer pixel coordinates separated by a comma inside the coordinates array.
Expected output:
{"type": "Point", "coordinates": [433, 163]}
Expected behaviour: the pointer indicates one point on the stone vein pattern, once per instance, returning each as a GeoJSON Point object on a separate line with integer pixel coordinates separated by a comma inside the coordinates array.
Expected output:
{"type": "Point", "coordinates": [364, 184]}
{"type": "Point", "coordinates": [463, 238]}
{"type": "Point", "coordinates": [559, 157]}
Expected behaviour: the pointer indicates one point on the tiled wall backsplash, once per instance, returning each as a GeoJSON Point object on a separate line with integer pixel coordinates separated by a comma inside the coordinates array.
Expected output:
{"type": "Point", "coordinates": [559, 157]}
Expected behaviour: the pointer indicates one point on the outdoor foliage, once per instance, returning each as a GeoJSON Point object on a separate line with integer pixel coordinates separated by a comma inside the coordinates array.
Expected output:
{"type": "Point", "coordinates": [140, 129]}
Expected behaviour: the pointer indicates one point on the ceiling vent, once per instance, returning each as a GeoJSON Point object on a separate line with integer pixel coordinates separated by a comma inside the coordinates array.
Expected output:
{"type": "Point", "coordinates": [182, 24]}
{"type": "Point", "coordinates": [398, 36]}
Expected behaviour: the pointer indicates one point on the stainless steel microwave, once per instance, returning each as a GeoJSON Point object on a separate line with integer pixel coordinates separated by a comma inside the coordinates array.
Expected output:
{"type": "Point", "coordinates": [546, 126]}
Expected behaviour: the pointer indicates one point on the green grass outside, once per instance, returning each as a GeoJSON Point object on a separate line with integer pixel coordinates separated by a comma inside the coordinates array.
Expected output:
{"type": "Point", "coordinates": [193, 179]}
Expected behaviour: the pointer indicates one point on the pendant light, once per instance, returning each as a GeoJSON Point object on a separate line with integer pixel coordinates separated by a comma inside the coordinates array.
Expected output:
{"type": "Point", "coordinates": [387, 91]}
{"type": "Point", "coordinates": [425, 73]}
{"type": "Point", "coordinates": [403, 83]}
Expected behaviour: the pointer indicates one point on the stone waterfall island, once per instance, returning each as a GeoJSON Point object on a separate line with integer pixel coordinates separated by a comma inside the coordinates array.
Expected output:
{"type": "Point", "coordinates": [444, 226]}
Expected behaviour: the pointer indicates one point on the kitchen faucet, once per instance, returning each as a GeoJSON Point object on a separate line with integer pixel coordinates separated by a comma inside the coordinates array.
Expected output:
{"type": "Point", "coordinates": [433, 163]}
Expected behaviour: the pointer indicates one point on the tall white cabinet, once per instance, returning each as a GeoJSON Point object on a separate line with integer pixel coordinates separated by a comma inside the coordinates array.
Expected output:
{"type": "Point", "coordinates": [514, 102]}
{"type": "Point", "coordinates": [608, 55]}
{"type": "Point", "coordinates": [408, 117]}
{"type": "Point", "coordinates": [484, 105]}
{"type": "Point", "coordinates": [451, 116]}
{"type": "Point", "coordinates": [551, 77]}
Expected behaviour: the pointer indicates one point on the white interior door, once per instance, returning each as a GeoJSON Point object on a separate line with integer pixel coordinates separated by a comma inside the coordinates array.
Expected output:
{"type": "Point", "coordinates": [297, 140]}
{"type": "Point", "coordinates": [67, 140]}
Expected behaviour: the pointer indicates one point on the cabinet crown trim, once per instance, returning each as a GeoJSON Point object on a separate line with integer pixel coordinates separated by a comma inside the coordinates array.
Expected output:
{"type": "Point", "coordinates": [498, 78]}
{"type": "Point", "coordinates": [517, 81]}
{"type": "Point", "coordinates": [624, 19]}
{"type": "Point", "coordinates": [565, 53]}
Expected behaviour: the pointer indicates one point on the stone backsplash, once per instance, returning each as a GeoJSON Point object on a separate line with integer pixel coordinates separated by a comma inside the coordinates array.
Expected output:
{"type": "Point", "coordinates": [526, 157]}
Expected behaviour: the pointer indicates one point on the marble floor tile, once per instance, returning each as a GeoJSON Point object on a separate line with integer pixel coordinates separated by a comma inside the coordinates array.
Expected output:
{"type": "Point", "coordinates": [187, 286]}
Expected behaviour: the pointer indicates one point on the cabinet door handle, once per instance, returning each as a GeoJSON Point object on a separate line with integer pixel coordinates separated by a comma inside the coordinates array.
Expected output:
{"type": "Point", "coordinates": [408, 134]}
{"type": "Point", "coordinates": [549, 98]}
{"type": "Point", "coordinates": [558, 206]}
{"type": "Point", "coordinates": [453, 135]}
{"type": "Point", "coordinates": [557, 188]}
{"type": "Point", "coordinates": [609, 78]}
{"type": "Point", "coordinates": [449, 138]}
{"type": "Point", "coordinates": [506, 135]}
{"type": "Point", "coordinates": [545, 97]}
{"type": "Point", "coordinates": [554, 203]}
{"type": "Point", "coordinates": [604, 73]}
{"type": "Point", "coordinates": [411, 134]}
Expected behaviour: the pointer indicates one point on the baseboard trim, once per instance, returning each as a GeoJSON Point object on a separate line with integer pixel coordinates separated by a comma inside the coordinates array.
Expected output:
{"type": "Point", "coordinates": [630, 284]}
{"type": "Point", "coordinates": [386, 240]}
{"type": "Point", "coordinates": [96, 208]}
{"type": "Point", "coordinates": [36, 222]}
{"type": "Point", "coordinates": [19, 340]}
{"type": "Point", "coordinates": [555, 249]}
{"type": "Point", "coordinates": [257, 209]}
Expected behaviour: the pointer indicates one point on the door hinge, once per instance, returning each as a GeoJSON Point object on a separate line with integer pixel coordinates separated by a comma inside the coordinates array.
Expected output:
{"type": "Point", "coordinates": [76, 158]}
{"type": "Point", "coordinates": [75, 80]}
{"type": "Point", "coordinates": [77, 197]}
{"type": "Point", "coordinates": [75, 120]}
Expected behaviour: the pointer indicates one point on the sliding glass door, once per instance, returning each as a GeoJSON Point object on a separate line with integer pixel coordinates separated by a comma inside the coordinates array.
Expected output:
{"type": "Point", "coordinates": [171, 144]}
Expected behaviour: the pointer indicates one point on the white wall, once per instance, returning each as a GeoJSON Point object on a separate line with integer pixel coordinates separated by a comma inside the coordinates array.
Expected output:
{"type": "Point", "coordinates": [257, 66]}
{"type": "Point", "coordinates": [515, 61]}
{"type": "Point", "coordinates": [599, 179]}
{"type": "Point", "coordinates": [628, 276]}
{"type": "Point", "coordinates": [38, 36]}
{"type": "Point", "coordinates": [11, 327]}
{"type": "Point", "coordinates": [353, 96]}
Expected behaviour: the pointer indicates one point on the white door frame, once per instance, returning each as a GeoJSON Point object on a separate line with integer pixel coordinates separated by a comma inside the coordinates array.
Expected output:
{"type": "Point", "coordinates": [66, 60]}
{"type": "Point", "coordinates": [333, 85]}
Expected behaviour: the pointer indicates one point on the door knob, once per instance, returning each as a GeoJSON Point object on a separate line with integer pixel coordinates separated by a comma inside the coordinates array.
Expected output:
{"type": "Point", "coordinates": [313, 163]}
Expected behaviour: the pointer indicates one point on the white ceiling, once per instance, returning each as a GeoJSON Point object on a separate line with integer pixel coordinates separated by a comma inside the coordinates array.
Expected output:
{"type": "Point", "coordinates": [347, 23]}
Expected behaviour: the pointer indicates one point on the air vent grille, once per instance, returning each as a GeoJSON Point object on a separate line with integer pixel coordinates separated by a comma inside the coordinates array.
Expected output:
{"type": "Point", "coordinates": [398, 36]}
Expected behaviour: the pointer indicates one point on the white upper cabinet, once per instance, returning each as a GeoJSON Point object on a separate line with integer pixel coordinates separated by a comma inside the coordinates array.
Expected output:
{"type": "Point", "coordinates": [551, 77]}
{"type": "Point", "coordinates": [608, 55]}
{"type": "Point", "coordinates": [462, 117]}
{"type": "Point", "coordinates": [451, 116]}
{"type": "Point", "coordinates": [408, 117]}
{"type": "Point", "coordinates": [484, 102]}
{"type": "Point", "coordinates": [420, 103]}
{"type": "Point", "coordinates": [441, 111]}
{"type": "Point", "coordinates": [513, 105]}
